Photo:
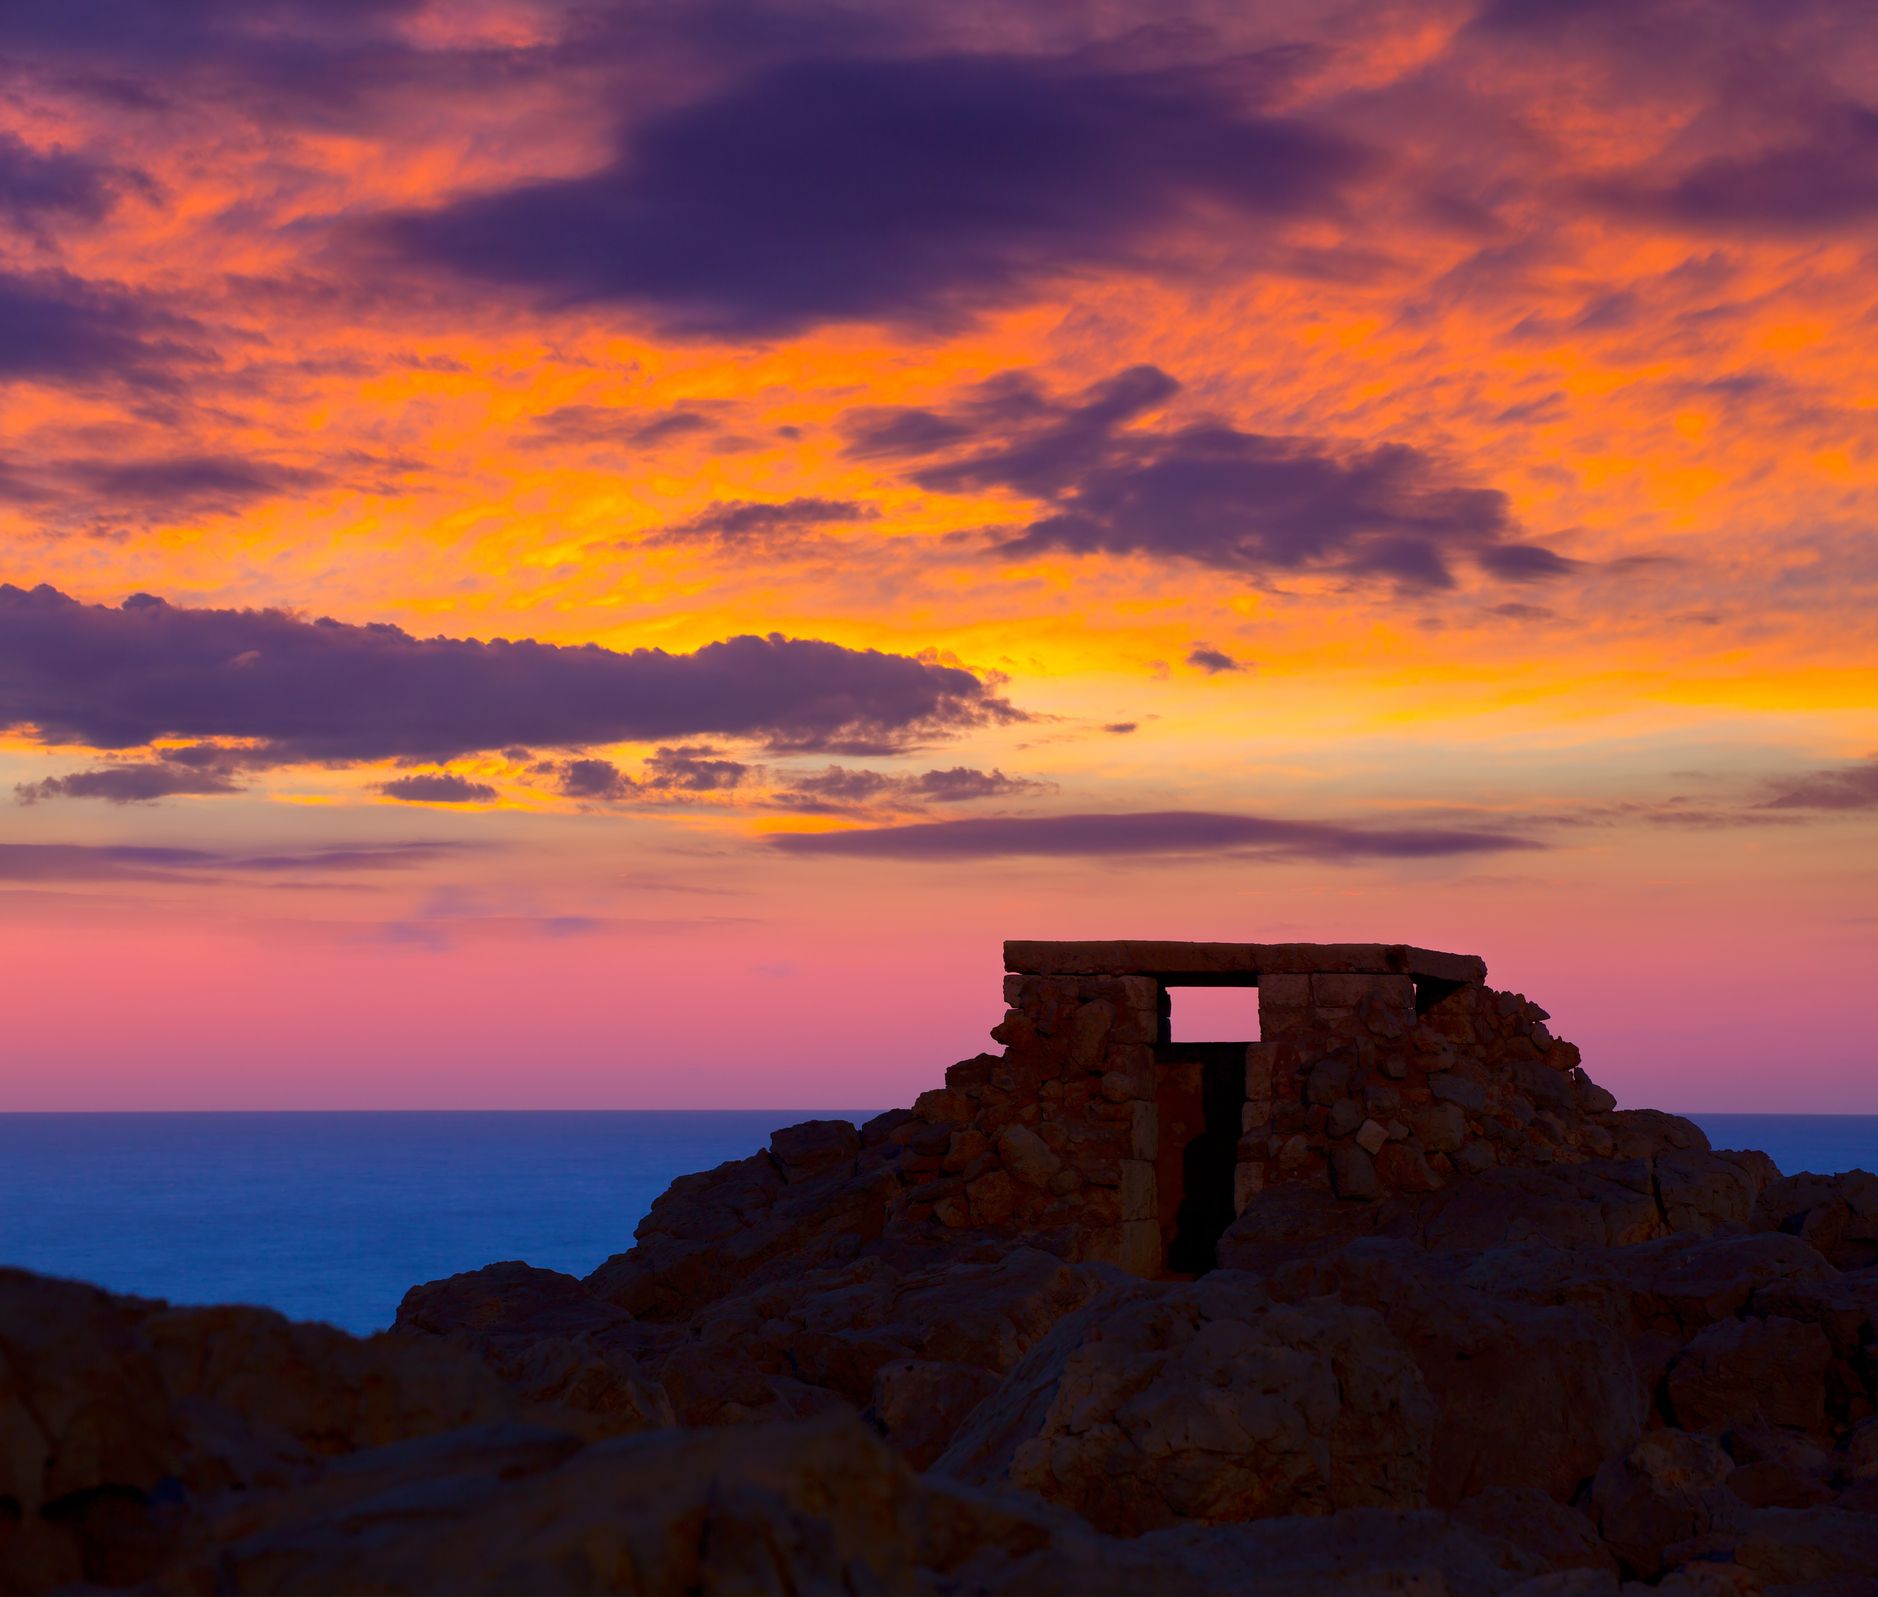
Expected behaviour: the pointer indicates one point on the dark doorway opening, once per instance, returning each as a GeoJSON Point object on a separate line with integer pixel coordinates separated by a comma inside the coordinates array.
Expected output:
{"type": "Point", "coordinates": [1200, 1103]}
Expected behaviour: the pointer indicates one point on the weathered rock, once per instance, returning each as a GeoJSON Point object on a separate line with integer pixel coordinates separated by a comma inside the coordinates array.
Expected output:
{"type": "Point", "coordinates": [1752, 1371]}
{"type": "Point", "coordinates": [116, 1412]}
{"type": "Point", "coordinates": [1667, 1492]}
{"type": "Point", "coordinates": [1809, 1548]}
{"type": "Point", "coordinates": [1560, 1538]}
{"type": "Point", "coordinates": [1208, 1403]}
{"type": "Point", "coordinates": [729, 1227]}
{"type": "Point", "coordinates": [1527, 1395]}
{"type": "Point", "coordinates": [1837, 1215]}
{"type": "Point", "coordinates": [549, 1338]}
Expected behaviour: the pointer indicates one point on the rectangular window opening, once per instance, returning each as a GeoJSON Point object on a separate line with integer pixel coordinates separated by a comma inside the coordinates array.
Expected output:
{"type": "Point", "coordinates": [1212, 1014]}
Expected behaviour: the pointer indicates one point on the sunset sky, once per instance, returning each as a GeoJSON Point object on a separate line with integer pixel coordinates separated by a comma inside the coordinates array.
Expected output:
{"type": "Point", "coordinates": [567, 554]}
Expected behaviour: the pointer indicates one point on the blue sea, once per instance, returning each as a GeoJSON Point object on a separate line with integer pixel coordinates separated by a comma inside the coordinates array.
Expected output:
{"type": "Point", "coordinates": [332, 1216]}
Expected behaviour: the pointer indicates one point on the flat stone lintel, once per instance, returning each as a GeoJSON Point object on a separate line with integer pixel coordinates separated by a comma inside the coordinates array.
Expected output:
{"type": "Point", "coordinates": [1172, 962]}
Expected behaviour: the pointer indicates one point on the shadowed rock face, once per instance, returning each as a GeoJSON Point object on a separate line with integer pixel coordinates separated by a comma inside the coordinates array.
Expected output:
{"type": "Point", "coordinates": [855, 1361]}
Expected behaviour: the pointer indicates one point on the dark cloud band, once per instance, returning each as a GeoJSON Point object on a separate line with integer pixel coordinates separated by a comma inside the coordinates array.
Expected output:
{"type": "Point", "coordinates": [896, 190]}
{"type": "Point", "coordinates": [329, 690]}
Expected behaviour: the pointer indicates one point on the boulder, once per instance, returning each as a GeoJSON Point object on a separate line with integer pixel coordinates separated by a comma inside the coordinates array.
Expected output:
{"type": "Point", "coordinates": [549, 1338]}
{"type": "Point", "coordinates": [1207, 1403]}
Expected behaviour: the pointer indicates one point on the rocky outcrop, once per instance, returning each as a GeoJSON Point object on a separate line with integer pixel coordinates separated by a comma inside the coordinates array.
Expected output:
{"type": "Point", "coordinates": [916, 1356]}
{"type": "Point", "coordinates": [1207, 1403]}
{"type": "Point", "coordinates": [119, 1415]}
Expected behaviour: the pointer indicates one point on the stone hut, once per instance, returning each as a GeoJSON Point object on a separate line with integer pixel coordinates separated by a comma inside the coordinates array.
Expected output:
{"type": "Point", "coordinates": [1378, 1069]}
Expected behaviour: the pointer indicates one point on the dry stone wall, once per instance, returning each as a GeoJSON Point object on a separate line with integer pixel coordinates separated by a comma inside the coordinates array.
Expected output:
{"type": "Point", "coordinates": [1379, 1070]}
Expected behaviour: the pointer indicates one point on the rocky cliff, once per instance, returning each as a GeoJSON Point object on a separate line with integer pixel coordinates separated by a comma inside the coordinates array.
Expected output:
{"type": "Point", "coordinates": [1471, 1330]}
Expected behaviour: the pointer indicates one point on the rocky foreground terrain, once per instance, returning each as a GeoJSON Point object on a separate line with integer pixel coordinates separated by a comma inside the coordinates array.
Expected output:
{"type": "Point", "coordinates": [1587, 1361]}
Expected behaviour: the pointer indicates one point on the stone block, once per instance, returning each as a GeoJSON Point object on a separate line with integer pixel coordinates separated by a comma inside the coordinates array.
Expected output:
{"type": "Point", "coordinates": [1275, 1022]}
{"type": "Point", "coordinates": [1328, 1081]}
{"type": "Point", "coordinates": [1134, 1245]}
{"type": "Point", "coordinates": [1165, 958]}
{"type": "Point", "coordinates": [1027, 1157]}
{"type": "Point", "coordinates": [1473, 1157]}
{"type": "Point", "coordinates": [1349, 991]}
{"type": "Point", "coordinates": [993, 1197]}
{"type": "Point", "coordinates": [1352, 1171]}
{"type": "Point", "coordinates": [1088, 1033]}
{"type": "Point", "coordinates": [1284, 992]}
{"type": "Point", "coordinates": [1442, 1127]}
{"type": "Point", "coordinates": [1248, 1181]}
{"type": "Point", "coordinates": [969, 1075]}
{"type": "Point", "coordinates": [953, 1211]}
{"type": "Point", "coordinates": [1133, 1063]}
{"type": "Point", "coordinates": [1345, 1116]}
{"type": "Point", "coordinates": [1137, 1189]}
{"type": "Point", "coordinates": [1144, 1130]}
{"type": "Point", "coordinates": [1401, 1167]}
{"type": "Point", "coordinates": [1016, 1030]}
{"type": "Point", "coordinates": [1455, 1089]}
{"type": "Point", "coordinates": [966, 1146]}
{"type": "Point", "coordinates": [1370, 1136]}
{"type": "Point", "coordinates": [941, 1106]}
{"type": "Point", "coordinates": [1261, 1059]}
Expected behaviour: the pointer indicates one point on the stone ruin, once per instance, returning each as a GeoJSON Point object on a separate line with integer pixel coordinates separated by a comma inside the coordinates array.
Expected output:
{"type": "Point", "coordinates": [1379, 1070]}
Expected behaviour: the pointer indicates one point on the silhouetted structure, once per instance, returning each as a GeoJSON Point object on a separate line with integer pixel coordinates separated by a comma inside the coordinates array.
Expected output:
{"type": "Point", "coordinates": [1378, 1067]}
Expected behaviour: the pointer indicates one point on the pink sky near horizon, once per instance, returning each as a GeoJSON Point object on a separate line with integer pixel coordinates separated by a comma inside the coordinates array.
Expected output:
{"type": "Point", "coordinates": [1435, 439]}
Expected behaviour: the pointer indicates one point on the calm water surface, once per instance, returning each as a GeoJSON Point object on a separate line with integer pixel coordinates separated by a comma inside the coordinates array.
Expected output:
{"type": "Point", "coordinates": [331, 1216]}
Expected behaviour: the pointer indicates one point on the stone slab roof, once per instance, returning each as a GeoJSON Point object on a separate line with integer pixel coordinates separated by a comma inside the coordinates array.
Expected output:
{"type": "Point", "coordinates": [1171, 960]}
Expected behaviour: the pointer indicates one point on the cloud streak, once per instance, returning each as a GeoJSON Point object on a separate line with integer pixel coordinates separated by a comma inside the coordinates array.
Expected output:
{"type": "Point", "coordinates": [1126, 834]}
{"type": "Point", "coordinates": [1846, 787]}
{"type": "Point", "coordinates": [87, 862]}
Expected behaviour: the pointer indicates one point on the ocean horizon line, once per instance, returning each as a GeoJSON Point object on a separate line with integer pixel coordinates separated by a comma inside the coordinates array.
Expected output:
{"type": "Point", "coordinates": [752, 1109]}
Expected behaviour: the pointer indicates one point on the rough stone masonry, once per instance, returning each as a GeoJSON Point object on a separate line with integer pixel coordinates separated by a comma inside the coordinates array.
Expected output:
{"type": "Point", "coordinates": [1379, 1069]}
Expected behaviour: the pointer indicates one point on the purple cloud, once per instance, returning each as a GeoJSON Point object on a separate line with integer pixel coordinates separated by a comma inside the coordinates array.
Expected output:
{"type": "Point", "coordinates": [189, 484]}
{"type": "Point", "coordinates": [1204, 657]}
{"type": "Point", "coordinates": [329, 690]}
{"type": "Point", "coordinates": [607, 424]}
{"type": "Point", "coordinates": [1236, 501]}
{"type": "Point", "coordinates": [903, 190]}
{"type": "Point", "coordinates": [58, 328]}
{"type": "Point", "coordinates": [36, 185]}
{"type": "Point", "coordinates": [693, 768]}
{"type": "Point", "coordinates": [593, 779]}
{"type": "Point", "coordinates": [130, 783]}
{"type": "Point", "coordinates": [843, 789]}
{"type": "Point", "coordinates": [1846, 787]}
{"type": "Point", "coordinates": [1820, 177]}
{"type": "Point", "coordinates": [437, 787]}
{"type": "Point", "coordinates": [739, 523]}
{"type": "Point", "coordinates": [1143, 833]}
{"type": "Point", "coordinates": [43, 862]}
{"type": "Point", "coordinates": [962, 784]}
